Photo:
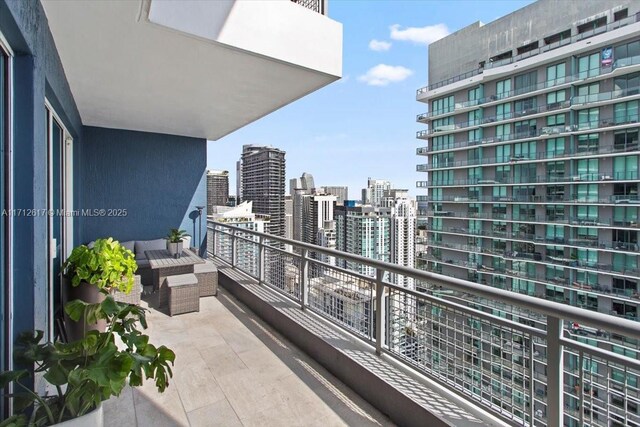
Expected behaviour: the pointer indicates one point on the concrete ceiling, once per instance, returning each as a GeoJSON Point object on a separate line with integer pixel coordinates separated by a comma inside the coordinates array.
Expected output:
{"type": "Point", "coordinates": [126, 72]}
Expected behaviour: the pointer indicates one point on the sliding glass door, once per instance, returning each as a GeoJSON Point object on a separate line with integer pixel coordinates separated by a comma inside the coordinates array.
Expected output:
{"type": "Point", "coordinates": [60, 211]}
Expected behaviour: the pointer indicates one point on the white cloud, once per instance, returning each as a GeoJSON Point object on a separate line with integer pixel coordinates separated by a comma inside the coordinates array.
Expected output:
{"type": "Point", "coordinates": [382, 75]}
{"type": "Point", "coordinates": [419, 35]}
{"type": "Point", "coordinates": [379, 46]}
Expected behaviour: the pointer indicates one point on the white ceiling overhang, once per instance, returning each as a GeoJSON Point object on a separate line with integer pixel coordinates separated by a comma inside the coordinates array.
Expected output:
{"type": "Point", "coordinates": [193, 68]}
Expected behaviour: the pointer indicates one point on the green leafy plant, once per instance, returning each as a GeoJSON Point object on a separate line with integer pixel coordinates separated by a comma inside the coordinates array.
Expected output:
{"type": "Point", "coordinates": [175, 235]}
{"type": "Point", "coordinates": [88, 371]}
{"type": "Point", "coordinates": [107, 265]}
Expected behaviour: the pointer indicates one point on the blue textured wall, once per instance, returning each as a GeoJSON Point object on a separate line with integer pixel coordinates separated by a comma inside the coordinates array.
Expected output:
{"type": "Point", "coordinates": [38, 73]}
{"type": "Point", "coordinates": [158, 179]}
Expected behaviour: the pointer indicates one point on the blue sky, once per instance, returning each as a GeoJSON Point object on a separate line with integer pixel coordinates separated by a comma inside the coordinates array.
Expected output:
{"type": "Point", "coordinates": [363, 125]}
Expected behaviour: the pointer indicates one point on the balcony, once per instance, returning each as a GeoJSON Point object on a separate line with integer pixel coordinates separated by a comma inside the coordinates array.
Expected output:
{"type": "Point", "coordinates": [419, 330]}
{"type": "Point", "coordinates": [233, 369]}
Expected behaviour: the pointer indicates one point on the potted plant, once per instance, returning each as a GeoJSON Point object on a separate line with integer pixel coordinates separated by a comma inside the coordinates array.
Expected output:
{"type": "Point", "coordinates": [87, 371]}
{"type": "Point", "coordinates": [174, 241]}
{"type": "Point", "coordinates": [91, 273]}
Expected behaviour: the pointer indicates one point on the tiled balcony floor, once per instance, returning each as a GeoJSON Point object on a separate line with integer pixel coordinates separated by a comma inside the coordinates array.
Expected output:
{"type": "Point", "coordinates": [234, 370]}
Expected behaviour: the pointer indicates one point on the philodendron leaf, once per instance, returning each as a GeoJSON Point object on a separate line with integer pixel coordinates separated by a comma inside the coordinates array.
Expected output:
{"type": "Point", "coordinates": [56, 375]}
{"type": "Point", "coordinates": [11, 376]}
{"type": "Point", "coordinates": [75, 309]}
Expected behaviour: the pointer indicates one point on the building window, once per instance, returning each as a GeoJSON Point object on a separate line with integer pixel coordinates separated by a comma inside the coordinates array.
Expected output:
{"type": "Point", "coordinates": [556, 120]}
{"type": "Point", "coordinates": [624, 262]}
{"type": "Point", "coordinates": [442, 142]}
{"type": "Point", "coordinates": [503, 130]}
{"type": "Point", "coordinates": [474, 94]}
{"type": "Point", "coordinates": [555, 74]}
{"type": "Point", "coordinates": [443, 124]}
{"type": "Point", "coordinates": [589, 118]}
{"type": "Point", "coordinates": [588, 142]}
{"type": "Point", "coordinates": [526, 127]}
{"type": "Point", "coordinates": [503, 111]}
{"type": "Point", "coordinates": [587, 170]}
{"type": "Point", "coordinates": [586, 214]}
{"type": "Point", "coordinates": [625, 112]}
{"type": "Point", "coordinates": [503, 88]}
{"type": "Point", "coordinates": [555, 147]}
{"type": "Point", "coordinates": [527, 48]}
{"type": "Point", "coordinates": [442, 105]}
{"type": "Point", "coordinates": [625, 168]}
{"type": "Point", "coordinates": [625, 215]}
{"type": "Point", "coordinates": [554, 98]}
{"type": "Point", "coordinates": [628, 84]}
{"type": "Point", "coordinates": [503, 153]}
{"type": "Point", "coordinates": [473, 117]}
{"type": "Point", "coordinates": [525, 106]}
{"type": "Point", "coordinates": [558, 37]}
{"type": "Point", "coordinates": [587, 192]}
{"type": "Point", "coordinates": [621, 14]}
{"type": "Point", "coordinates": [592, 25]}
{"type": "Point", "coordinates": [627, 50]}
{"type": "Point", "coordinates": [555, 171]}
{"type": "Point", "coordinates": [525, 82]}
{"type": "Point", "coordinates": [589, 65]}
{"type": "Point", "coordinates": [555, 213]}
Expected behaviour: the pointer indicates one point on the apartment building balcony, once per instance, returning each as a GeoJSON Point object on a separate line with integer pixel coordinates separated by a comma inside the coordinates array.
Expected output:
{"type": "Point", "coordinates": [538, 157]}
{"type": "Point", "coordinates": [546, 132]}
{"type": "Point", "coordinates": [602, 35]}
{"type": "Point", "coordinates": [443, 330]}
{"type": "Point", "coordinates": [233, 369]}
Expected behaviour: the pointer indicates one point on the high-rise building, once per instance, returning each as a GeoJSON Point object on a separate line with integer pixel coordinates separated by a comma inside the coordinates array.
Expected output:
{"type": "Point", "coordinates": [263, 183]}
{"type": "Point", "coordinates": [239, 182]}
{"type": "Point", "coordinates": [402, 232]}
{"type": "Point", "coordinates": [317, 210]}
{"type": "Point", "coordinates": [217, 189]}
{"type": "Point", "coordinates": [341, 193]}
{"type": "Point", "coordinates": [533, 168]}
{"type": "Point", "coordinates": [372, 195]}
{"type": "Point", "coordinates": [364, 231]}
{"type": "Point", "coordinates": [299, 187]}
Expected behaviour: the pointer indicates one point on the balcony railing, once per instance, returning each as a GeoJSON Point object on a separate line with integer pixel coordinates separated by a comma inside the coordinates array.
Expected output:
{"type": "Point", "coordinates": [315, 5]}
{"type": "Point", "coordinates": [503, 364]}
{"type": "Point", "coordinates": [543, 49]}
{"type": "Point", "coordinates": [539, 156]}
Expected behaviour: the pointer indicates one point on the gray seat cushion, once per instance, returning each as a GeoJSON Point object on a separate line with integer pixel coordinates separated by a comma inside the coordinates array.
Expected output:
{"type": "Point", "coordinates": [149, 245]}
{"type": "Point", "coordinates": [207, 267]}
{"type": "Point", "coordinates": [130, 244]}
{"type": "Point", "coordinates": [142, 262]}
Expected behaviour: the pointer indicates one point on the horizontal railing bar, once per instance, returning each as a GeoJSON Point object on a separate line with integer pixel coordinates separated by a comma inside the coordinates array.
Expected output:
{"type": "Point", "coordinates": [344, 270]}
{"type": "Point", "coordinates": [603, 321]}
{"type": "Point", "coordinates": [604, 354]}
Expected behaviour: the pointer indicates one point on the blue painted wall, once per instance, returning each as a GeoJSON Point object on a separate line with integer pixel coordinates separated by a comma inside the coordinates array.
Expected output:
{"type": "Point", "coordinates": [157, 179]}
{"type": "Point", "coordinates": [38, 73]}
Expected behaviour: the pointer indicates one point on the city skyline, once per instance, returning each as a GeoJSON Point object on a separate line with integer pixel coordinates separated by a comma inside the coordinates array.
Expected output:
{"type": "Point", "coordinates": [364, 124]}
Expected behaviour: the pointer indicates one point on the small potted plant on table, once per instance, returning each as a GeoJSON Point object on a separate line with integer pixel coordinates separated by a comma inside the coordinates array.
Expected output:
{"type": "Point", "coordinates": [175, 242]}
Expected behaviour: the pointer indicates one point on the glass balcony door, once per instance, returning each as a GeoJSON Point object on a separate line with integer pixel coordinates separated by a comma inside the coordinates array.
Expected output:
{"type": "Point", "coordinates": [60, 226]}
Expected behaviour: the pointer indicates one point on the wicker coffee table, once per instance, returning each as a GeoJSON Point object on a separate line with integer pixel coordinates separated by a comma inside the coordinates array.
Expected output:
{"type": "Point", "coordinates": [163, 264]}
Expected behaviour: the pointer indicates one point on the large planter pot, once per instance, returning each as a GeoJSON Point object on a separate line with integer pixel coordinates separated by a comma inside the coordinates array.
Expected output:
{"type": "Point", "coordinates": [94, 418]}
{"type": "Point", "coordinates": [175, 249]}
{"type": "Point", "coordinates": [89, 294]}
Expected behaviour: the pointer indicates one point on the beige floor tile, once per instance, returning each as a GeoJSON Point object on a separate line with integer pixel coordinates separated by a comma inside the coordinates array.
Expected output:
{"type": "Point", "coordinates": [222, 360]}
{"type": "Point", "coordinates": [219, 414]}
{"type": "Point", "coordinates": [197, 386]}
{"type": "Point", "coordinates": [119, 411]}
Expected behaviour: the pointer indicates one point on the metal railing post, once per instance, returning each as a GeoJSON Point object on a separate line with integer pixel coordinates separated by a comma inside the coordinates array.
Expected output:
{"type": "Point", "coordinates": [213, 239]}
{"type": "Point", "coordinates": [234, 255]}
{"type": "Point", "coordinates": [261, 253]}
{"type": "Point", "coordinates": [304, 275]}
{"type": "Point", "coordinates": [555, 373]}
{"type": "Point", "coordinates": [380, 314]}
